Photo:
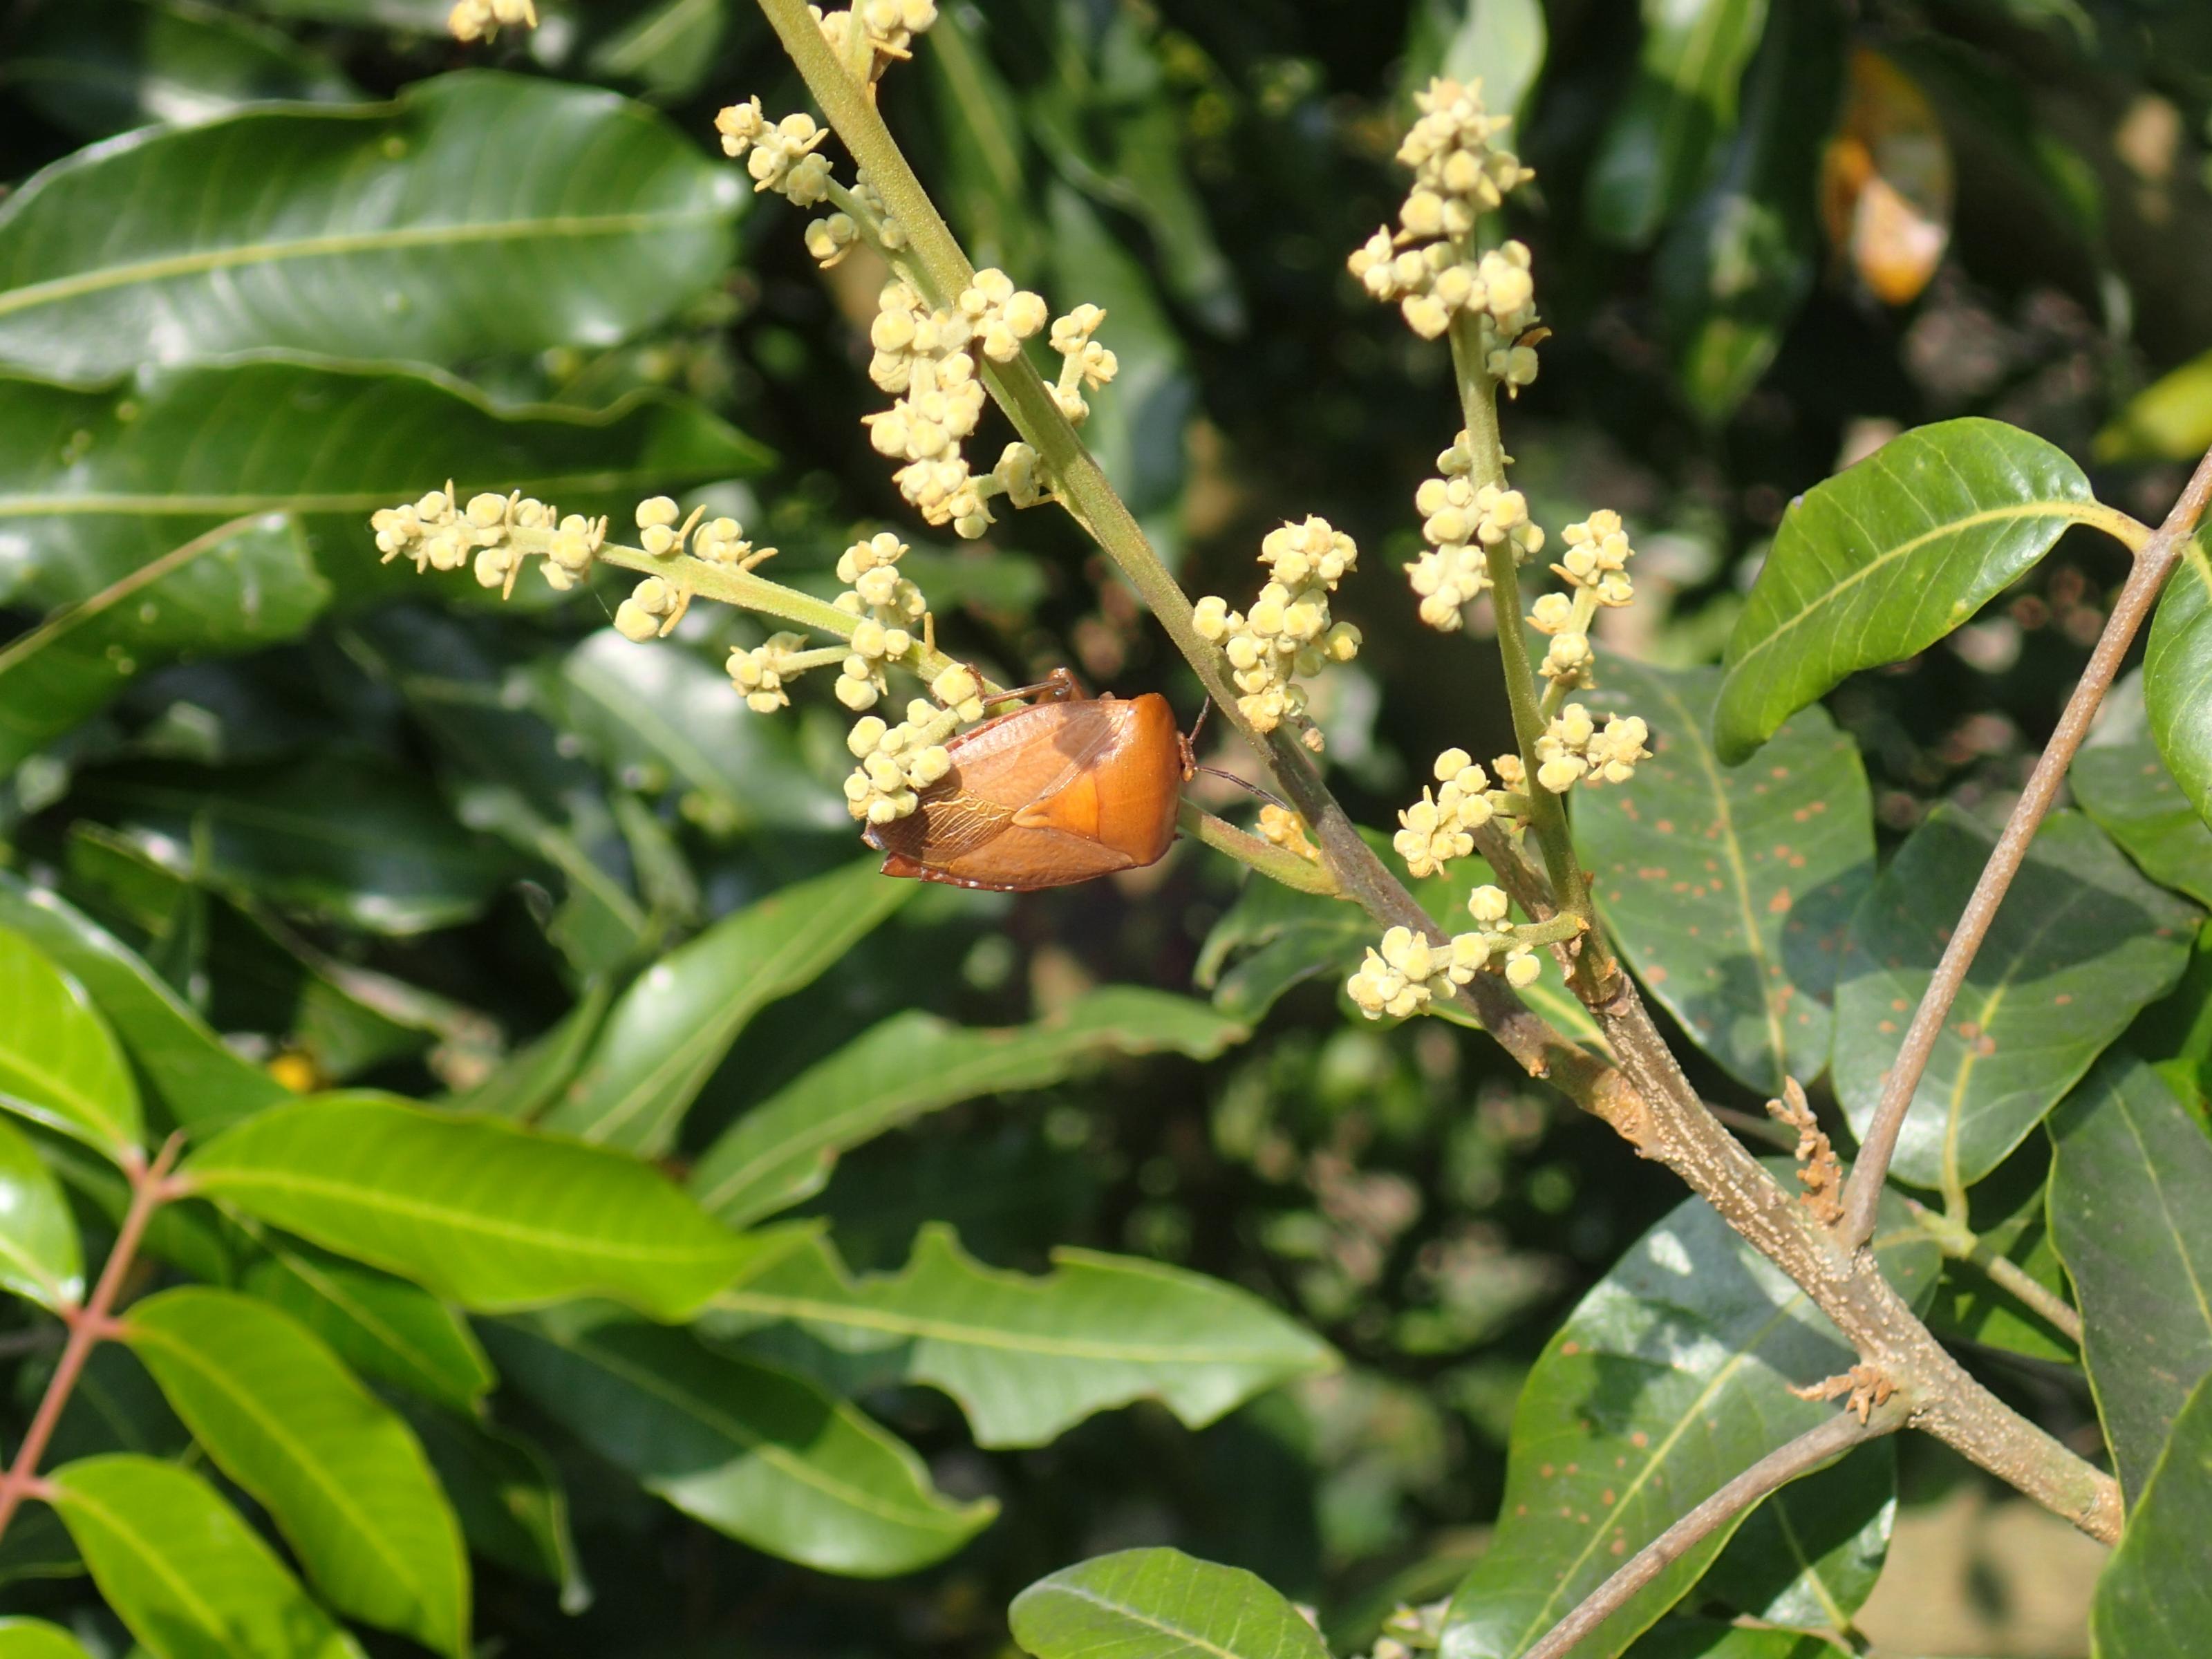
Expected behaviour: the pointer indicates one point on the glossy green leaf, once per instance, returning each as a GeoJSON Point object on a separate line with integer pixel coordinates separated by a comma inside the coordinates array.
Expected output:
{"type": "Point", "coordinates": [353, 838]}
{"type": "Point", "coordinates": [1680, 104]}
{"type": "Point", "coordinates": [1809, 1555]}
{"type": "Point", "coordinates": [59, 1065]}
{"type": "Point", "coordinates": [1709, 1638]}
{"type": "Point", "coordinates": [197, 1081]}
{"type": "Point", "coordinates": [529, 1079]}
{"type": "Point", "coordinates": [381, 231]}
{"type": "Point", "coordinates": [95, 485]}
{"type": "Point", "coordinates": [1886, 558]}
{"type": "Point", "coordinates": [2169, 420]}
{"type": "Point", "coordinates": [1028, 1357]}
{"type": "Point", "coordinates": [668, 719]}
{"type": "Point", "coordinates": [2080, 943]}
{"type": "Point", "coordinates": [476, 1211]}
{"type": "Point", "coordinates": [239, 586]}
{"type": "Point", "coordinates": [670, 1029]}
{"type": "Point", "coordinates": [1733, 270]}
{"type": "Point", "coordinates": [190, 1579]}
{"type": "Point", "coordinates": [2010, 1219]}
{"type": "Point", "coordinates": [755, 1453]}
{"type": "Point", "coordinates": [510, 1503]}
{"type": "Point", "coordinates": [40, 1257]}
{"type": "Point", "coordinates": [2155, 1598]}
{"type": "Point", "coordinates": [2125, 787]}
{"type": "Point", "coordinates": [1159, 1604]}
{"type": "Point", "coordinates": [97, 67]}
{"type": "Point", "coordinates": [381, 1326]}
{"type": "Point", "coordinates": [1729, 888]}
{"type": "Point", "coordinates": [34, 1638]}
{"type": "Point", "coordinates": [1671, 1376]}
{"type": "Point", "coordinates": [339, 1471]}
{"type": "Point", "coordinates": [2129, 1209]}
{"type": "Point", "coordinates": [782, 1150]}
{"type": "Point", "coordinates": [2177, 677]}
{"type": "Point", "coordinates": [1272, 939]}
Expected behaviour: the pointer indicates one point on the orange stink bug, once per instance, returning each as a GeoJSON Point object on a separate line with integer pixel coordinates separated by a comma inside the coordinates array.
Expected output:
{"type": "Point", "coordinates": [1047, 796]}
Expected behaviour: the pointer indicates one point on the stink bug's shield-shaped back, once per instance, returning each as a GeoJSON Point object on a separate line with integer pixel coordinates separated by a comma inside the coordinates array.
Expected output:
{"type": "Point", "coordinates": [1047, 796]}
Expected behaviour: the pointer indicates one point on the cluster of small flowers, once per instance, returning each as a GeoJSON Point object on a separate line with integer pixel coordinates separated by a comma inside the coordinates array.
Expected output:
{"type": "Point", "coordinates": [925, 358]}
{"type": "Point", "coordinates": [1438, 828]}
{"type": "Point", "coordinates": [1286, 829]}
{"type": "Point", "coordinates": [1460, 521]}
{"type": "Point", "coordinates": [1287, 633]}
{"type": "Point", "coordinates": [1404, 975]}
{"type": "Point", "coordinates": [1430, 266]}
{"type": "Point", "coordinates": [889, 608]}
{"type": "Point", "coordinates": [1595, 566]}
{"type": "Point", "coordinates": [471, 21]}
{"type": "Point", "coordinates": [784, 156]}
{"type": "Point", "coordinates": [897, 762]}
{"type": "Point", "coordinates": [888, 25]}
{"type": "Point", "coordinates": [1411, 1630]}
{"type": "Point", "coordinates": [1572, 750]}
{"type": "Point", "coordinates": [760, 673]}
{"type": "Point", "coordinates": [1433, 283]}
{"type": "Point", "coordinates": [439, 535]}
{"type": "Point", "coordinates": [1084, 361]}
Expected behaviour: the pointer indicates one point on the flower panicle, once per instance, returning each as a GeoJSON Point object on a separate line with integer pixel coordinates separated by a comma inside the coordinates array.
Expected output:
{"type": "Point", "coordinates": [493, 532]}
{"type": "Point", "coordinates": [1288, 633]}
{"type": "Point", "coordinates": [1404, 974]}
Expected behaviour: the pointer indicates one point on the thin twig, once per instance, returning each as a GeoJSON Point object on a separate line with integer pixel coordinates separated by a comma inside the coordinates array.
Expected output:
{"type": "Point", "coordinates": [89, 1325]}
{"type": "Point", "coordinates": [1777, 1468]}
{"type": "Point", "coordinates": [2155, 562]}
{"type": "Point", "coordinates": [1961, 1244]}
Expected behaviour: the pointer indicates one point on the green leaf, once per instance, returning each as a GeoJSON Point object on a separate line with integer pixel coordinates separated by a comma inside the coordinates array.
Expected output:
{"type": "Point", "coordinates": [94, 485]}
{"type": "Point", "coordinates": [1027, 1357]}
{"type": "Point", "coordinates": [190, 1579]}
{"type": "Point", "coordinates": [2169, 420]}
{"type": "Point", "coordinates": [237, 587]}
{"type": "Point", "coordinates": [413, 230]}
{"type": "Point", "coordinates": [1708, 1638]}
{"type": "Point", "coordinates": [1886, 558]}
{"type": "Point", "coordinates": [2081, 943]}
{"type": "Point", "coordinates": [672, 47]}
{"type": "Point", "coordinates": [782, 1150]}
{"type": "Point", "coordinates": [667, 720]}
{"type": "Point", "coordinates": [383, 1326]}
{"type": "Point", "coordinates": [339, 1471]}
{"type": "Point", "coordinates": [38, 1254]}
{"type": "Point", "coordinates": [1159, 1604]}
{"type": "Point", "coordinates": [34, 1638]}
{"type": "Point", "coordinates": [1681, 103]}
{"type": "Point", "coordinates": [509, 1501]}
{"type": "Point", "coordinates": [761, 1455]}
{"type": "Point", "coordinates": [1734, 271]}
{"type": "Point", "coordinates": [97, 67]}
{"type": "Point", "coordinates": [1671, 1376]}
{"type": "Point", "coordinates": [187, 1069]}
{"type": "Point", "coordinates": [1809, 1555]}
{"type": "Point", "coordinates": [2177, 677]}
{"type": "Point", "coordinates": [1279, 939]}
{"type": "Point", "coordinates": [352, 838]}
{"type": "Point", "coordinates": [1729, 888]}
{"type": "Point", "coordinates": [2129, 1186]}
{"type": "Point", "coordinates": [529, 1079]}
{"type": "Point", "coordinates": [2155, 1599]}
{"type": "Point", "coordinates": [2009, 1218]}
{"type": "Point", "coordinates": [670, 1029]}
{"type": "Point", "coordinates": [2125, 787]}
{"type": "Point", "coordinates": [476, 1211]}
{"type": "Point", "coordinates": [58, 1063]}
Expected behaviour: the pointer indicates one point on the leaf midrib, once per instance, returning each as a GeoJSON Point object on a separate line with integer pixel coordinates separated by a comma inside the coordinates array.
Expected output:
{"type": "Point", "coordinates": [482, 232]}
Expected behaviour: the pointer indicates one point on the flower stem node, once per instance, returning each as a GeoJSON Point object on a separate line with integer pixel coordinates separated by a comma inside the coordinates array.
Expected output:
{"type": "Point", "coordinates": [1405, 975]}
{"type": "Point", "coordinates": [1460, 519]}
{"type": "Point", "coordinates": [1084, 361]}
{"type": "Point", "coordinates": [1288, 633]}
{"type": "Point", "coordinates": [760, 673]}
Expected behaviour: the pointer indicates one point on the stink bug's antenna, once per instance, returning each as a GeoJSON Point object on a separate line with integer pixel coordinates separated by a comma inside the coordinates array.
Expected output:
{"type": "Point", "coordinates": [1245, 784]}
{"type": "Point", "coordinates": [1190, 760]}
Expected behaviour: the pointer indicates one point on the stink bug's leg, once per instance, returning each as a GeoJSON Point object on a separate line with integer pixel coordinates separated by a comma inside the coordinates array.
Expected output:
{"type": "Point", "coordinates": [1245, 784]}
{"type": "Point", "coordinates": [1059, 686]}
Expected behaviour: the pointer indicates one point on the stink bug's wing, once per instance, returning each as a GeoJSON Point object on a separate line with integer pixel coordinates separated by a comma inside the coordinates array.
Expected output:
{"type": "Point", "coordinates": [1033, 753]}
{"type": "Point", "coordinates": [1019, 860]}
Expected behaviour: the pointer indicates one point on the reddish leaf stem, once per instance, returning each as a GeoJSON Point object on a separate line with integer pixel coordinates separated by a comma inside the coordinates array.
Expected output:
{"type": "Point", "coordinates": [2155, 562]}
{"type": "Point", "coordinates": [90, 1324]}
